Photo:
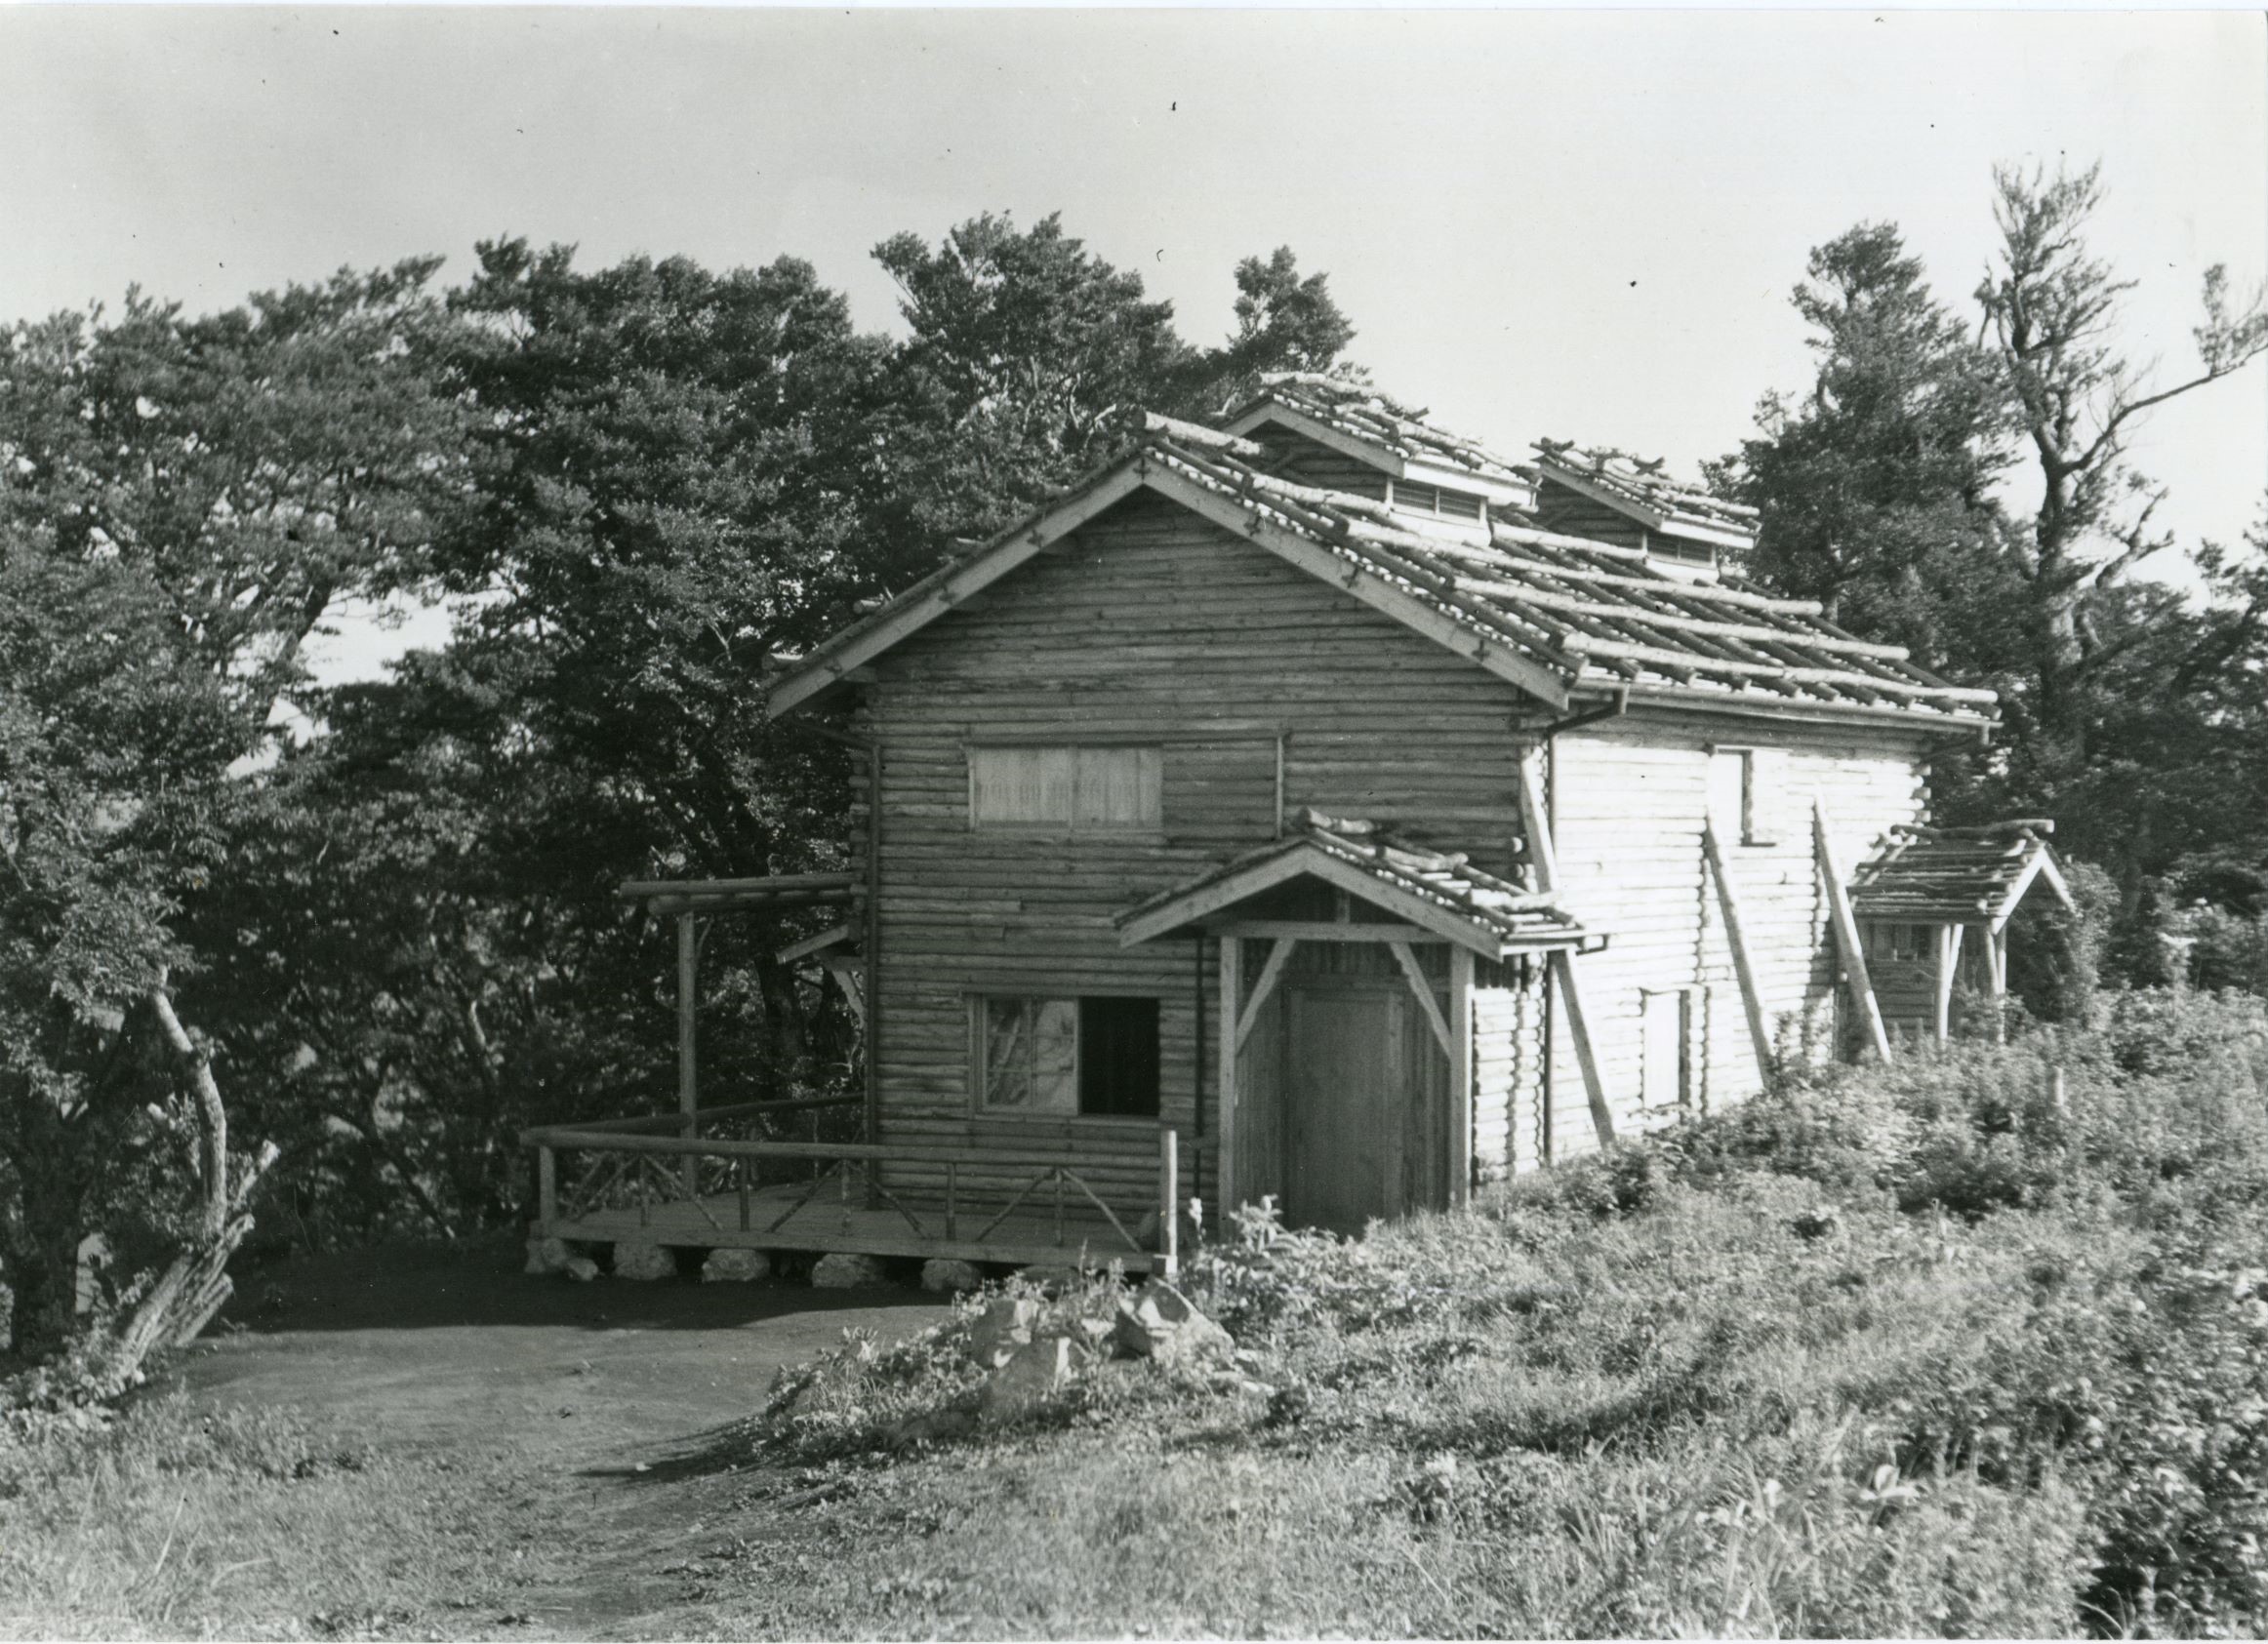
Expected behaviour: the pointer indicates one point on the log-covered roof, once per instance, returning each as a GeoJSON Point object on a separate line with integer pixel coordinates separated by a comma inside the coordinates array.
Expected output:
{"type": "Point", "coordinates": [1437, 889]}
{"type": "Point", "coordinates": [1957, 875]}
{"type": "Point", "coordinates": [1375, 419]}
{"type": "Point", "coordinates": [1559, 616]}
{"type": "Point", "coordinates": [1595, 614]}
{"type": "Point", "coordinates": [1644, 489]}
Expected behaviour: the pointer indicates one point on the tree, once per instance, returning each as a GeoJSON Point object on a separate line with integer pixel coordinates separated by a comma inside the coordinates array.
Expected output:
{"type": "Point", "coordinates": [1875, 487]}
{"type": "Point", "coordinates": [1284, 323]}
{"type": "Point", "coordinates": [180, 503]}
{"type": "Point", "coordinates": [2051, 309]}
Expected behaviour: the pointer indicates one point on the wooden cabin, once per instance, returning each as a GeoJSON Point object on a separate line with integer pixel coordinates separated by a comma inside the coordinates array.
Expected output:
{"type": "Point", "coordinates": [1304, 803]}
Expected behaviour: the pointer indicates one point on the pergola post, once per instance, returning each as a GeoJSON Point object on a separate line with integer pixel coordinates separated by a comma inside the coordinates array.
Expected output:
{"type": "Point", "coordinates": [1232, 1001]}
{"type": "Point", "coordinates": [1948, 969]}
{"type": "Point", "coordinates": [688, 1088]}
{"type": "Point", "coordinates": [1460, 1075]}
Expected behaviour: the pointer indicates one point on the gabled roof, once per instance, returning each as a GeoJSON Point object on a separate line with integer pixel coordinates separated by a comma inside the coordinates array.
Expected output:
{"type": "Point", "coordinates": [1957, 875]}
{"type": "Point", "coordinates": [1395, 438]}
{"type": "Point", "coordinates": [1643, 492]}
{"type": "Point", "coordinates": [1553, 614]}
{"type": "Point", "coordinates": [1441, 891]}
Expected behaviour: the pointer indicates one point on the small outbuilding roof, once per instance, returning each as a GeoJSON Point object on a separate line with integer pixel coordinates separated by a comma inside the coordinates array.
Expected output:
{"type": "Point", "coordinates": [1957, 875]}
{"type": "Point", "coordinates": [1645, 492]}
{"type": "Point", "coordinates": [1439, 890]}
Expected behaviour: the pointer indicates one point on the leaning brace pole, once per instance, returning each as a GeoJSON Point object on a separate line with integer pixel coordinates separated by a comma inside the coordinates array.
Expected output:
{"type": "Point", "coordinates": [1853, 951]}
{"type": "Point", "coordinates": [1545, 857]}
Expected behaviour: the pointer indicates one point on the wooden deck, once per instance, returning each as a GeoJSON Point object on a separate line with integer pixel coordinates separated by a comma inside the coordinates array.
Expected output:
{"type": "Point", "coordinates": [706, 1193]}
{"type": "Point", "coordinates": [827, 1225]}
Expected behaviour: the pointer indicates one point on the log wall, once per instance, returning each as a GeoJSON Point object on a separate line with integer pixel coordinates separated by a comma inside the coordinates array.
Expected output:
{"type": "Point", "coordinates": [1627, 800]}
{"type": "Point", "coordinates": [1147, 623]}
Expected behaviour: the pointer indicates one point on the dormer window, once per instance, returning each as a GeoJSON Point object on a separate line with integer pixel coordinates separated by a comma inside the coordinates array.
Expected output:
{"type": "Point", "coordinates": [1435, 501]}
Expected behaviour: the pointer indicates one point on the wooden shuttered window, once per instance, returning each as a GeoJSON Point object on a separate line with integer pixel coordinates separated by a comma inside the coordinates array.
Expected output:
{"type": "Point", "coordinates": [1748, 792]}
{"type": "Point", "coordinates": [1095, 1057]}
{"type": "Point", "coordinates": [1666, 1047]}
{"type": "Point", "coordinates": [1066, 788]}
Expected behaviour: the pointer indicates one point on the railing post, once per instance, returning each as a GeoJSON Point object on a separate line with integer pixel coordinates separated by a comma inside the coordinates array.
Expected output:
{"type": "Point", "coordinates": [952, 1200]}
{"type": "Point", "coordinates": [741, 1180]}
{"type": "Point", "coordinates": [1169, 1201]}
{"type": "Point", "coordinates": [547, 1188]}
{"type": "Point", "coordinates": [1059, 1206]}
{"type": "Point", "coordinates": [688, 1081]}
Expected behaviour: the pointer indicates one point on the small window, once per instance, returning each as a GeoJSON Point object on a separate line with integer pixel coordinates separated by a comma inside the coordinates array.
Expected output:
{"type": "Point", "coordinates": [1666, 1041]}
{"type": "Point", "coordinates": [1744, 793]}
{"type": "Point", "coordinates": [1074, 789]}
{"type": "Point", "coordinates": [1095, 1058]}
{"type": "Point", "coordinates": [1903, 944]}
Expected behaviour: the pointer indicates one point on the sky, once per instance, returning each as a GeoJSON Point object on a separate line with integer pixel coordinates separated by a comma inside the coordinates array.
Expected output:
{"type": "Point", "coordinates": [1577, 224]}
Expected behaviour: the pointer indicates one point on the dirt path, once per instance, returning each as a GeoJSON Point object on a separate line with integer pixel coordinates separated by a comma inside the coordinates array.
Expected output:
{"type": "Point", "coordinates": [574, 1397]}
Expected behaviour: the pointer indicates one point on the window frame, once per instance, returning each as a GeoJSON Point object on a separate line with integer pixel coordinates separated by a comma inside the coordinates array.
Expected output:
{"type": "Point", "coordinates": [1756, 832]}
{"type": "Point", "coordinates": [1686, 1077]}
{"type": "Point", "coordinates": [1150, 826]}
{"type": "Point", "coordinates": [979, 1001]}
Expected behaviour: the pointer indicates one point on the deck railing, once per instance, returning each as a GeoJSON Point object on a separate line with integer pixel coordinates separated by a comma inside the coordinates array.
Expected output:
{"type": "Point", "coordinates": [627, 1163]}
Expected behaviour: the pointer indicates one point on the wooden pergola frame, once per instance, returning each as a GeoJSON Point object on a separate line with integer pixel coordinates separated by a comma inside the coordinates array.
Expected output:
{"type": "Point", "coordinates": [687, 899]}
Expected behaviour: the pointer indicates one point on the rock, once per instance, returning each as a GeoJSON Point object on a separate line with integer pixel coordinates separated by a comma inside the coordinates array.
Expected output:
{"type": "Point", "coordinates": [548, 1255]}
{"type": "Point", "coordinates": [581, 1268]}
{"type": "Point", "coordinates": [1813, 1224]}
{"type": "Point", "coordinates": [842, 1270]}
{"type": "Point", "coordinates": [1001, 1328]}
{"type": "Point", "coordinates": [726, 1265]}
{"type": "Point", "coordinates": [1159, 1323]}
{"type": "Point", "coordinates": [1029, 1376]}
{"type": "Point", "coordinates": [942, 1273]}
{"type": "Point", "coordinates": [637, 1259]}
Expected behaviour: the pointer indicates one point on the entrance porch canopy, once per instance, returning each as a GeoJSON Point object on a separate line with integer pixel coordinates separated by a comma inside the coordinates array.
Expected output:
{"type": "Point", "coordinates": [1426, 895]}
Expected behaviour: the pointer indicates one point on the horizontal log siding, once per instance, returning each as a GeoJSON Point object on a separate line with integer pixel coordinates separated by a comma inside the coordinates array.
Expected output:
{"type": "Point", "coordinates": [1627, 800]}
{"type": "Point", "coordinates": [1146, 618]}
{"type": "Point", "coordinates": [1507, 1080]}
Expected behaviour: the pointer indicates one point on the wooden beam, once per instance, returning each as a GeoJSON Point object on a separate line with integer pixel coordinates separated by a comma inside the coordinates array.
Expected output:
{"type": "Point", "coordinates": [1846, 937]}
{"type": "Point", "coordinates": [1948, 964]}
{"type": "Point", "coordinates": [1169, 1201]}
{"type": "Point", "coordinates": [688, 1085]}
{"type": "Point", "coordinates": [1231, 1002]}
{"type": "Point", "coordinates": [1325, 930]}
{"type": "Point", "coordinates": [1736, 938]}
{"type": "Point", "coordinates": [1460, 1078]}
{"type": "Point", "coordinates": [1543, 856]}
{"type": "Point", "coordinates": [847, 973]}
{"type": "Point", "coordinates": [1262, 986]}
{"type": "Point", "coordinates": [1424, 989]}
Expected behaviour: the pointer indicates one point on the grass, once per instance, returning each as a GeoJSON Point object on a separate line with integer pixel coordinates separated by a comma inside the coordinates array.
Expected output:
{"type": "Point", "coordinates": [1903, 1352]}
{"type": "Point", "coordinates": [1907, 1351]}
{"type": "Point", "coordinates": [168, 1523]}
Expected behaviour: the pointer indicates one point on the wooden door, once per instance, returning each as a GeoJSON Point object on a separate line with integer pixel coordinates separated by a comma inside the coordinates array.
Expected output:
{"type": "Point", "coordinates": [1344, 1107]}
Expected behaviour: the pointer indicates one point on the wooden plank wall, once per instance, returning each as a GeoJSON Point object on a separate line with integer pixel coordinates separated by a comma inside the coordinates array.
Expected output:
{"type": "Point", "coordinates": [1508, 1069]}
{"type": "Point", "coordinates": [1627, 799]}
{"type": "Point", "coordinates": [1147, 621]}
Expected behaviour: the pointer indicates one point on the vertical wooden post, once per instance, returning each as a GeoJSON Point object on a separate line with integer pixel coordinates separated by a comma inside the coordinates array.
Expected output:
{"type": "Point", "coordinates": [547, 1188]}
{"type": "Point", "coordinates": [1846, 937]}
{"type": "Point", "coordinates": [1736, 938]}
{"type": "Point", "coordinates": [1460, 1075]}
{"type": "Point", "coordinates": [1948, 964]}
{"type": "Point", "coordinates": [688, 1084]}
{"type": "Point", "coordinates": [1169, 1206]}
{"type": "Point", "coordinates": [1225, 1148]}
{"type": "Point", "coordinates": [1997, 979]}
